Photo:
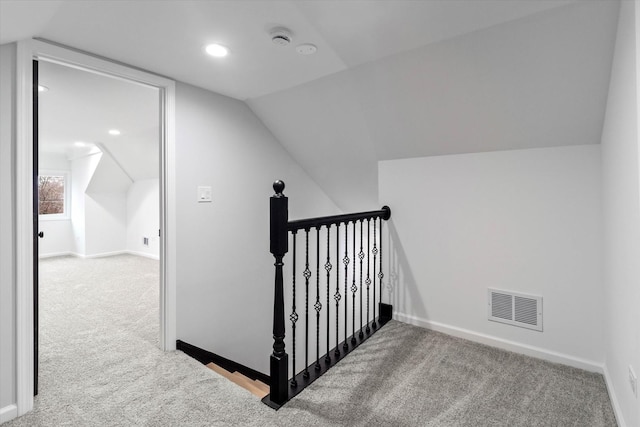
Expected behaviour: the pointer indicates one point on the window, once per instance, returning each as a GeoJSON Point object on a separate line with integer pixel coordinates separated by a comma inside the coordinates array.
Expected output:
{"type": "Point", "coordinates": [53, 195]}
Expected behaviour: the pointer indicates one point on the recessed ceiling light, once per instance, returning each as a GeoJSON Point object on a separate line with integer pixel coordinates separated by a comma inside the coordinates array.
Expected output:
{"type": "Point", "coordinates": [114, 132]}
{"type": "Point", "coordinates": [216, 50]}
{"type": "Point", "coordinates": [42, 88]}
{"type": "Point", "coordinates": [80, 144]}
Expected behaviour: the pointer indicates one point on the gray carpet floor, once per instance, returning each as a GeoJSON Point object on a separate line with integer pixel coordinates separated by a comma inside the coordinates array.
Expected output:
{"type": "Point", "coordinates": [101, 366]}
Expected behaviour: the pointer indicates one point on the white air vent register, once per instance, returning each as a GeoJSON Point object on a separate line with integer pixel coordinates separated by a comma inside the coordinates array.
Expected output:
{"type": "Point", "coordinates": [515, 309]}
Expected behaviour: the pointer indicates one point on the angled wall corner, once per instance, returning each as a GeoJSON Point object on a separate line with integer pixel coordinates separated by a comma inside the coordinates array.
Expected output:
{"type": "Point", "coordinates": [108, 176]}
{"type": "Point", "coordinates": [7, 227]}
{"type": "Point", "coordinates": [99, 204]}
{"type": "Point", "coordinates": [621, 213]}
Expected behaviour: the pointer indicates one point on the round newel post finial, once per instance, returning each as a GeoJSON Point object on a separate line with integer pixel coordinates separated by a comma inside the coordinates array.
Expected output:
{"type": "Point", "coordinates": [387, 212]}
{"type": "Point", "coordinates": [278, 187]}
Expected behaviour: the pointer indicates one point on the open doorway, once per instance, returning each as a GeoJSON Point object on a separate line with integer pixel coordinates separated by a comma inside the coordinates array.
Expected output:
{"type": "Point", "coordinates": [39, 50]}
{"type": "Point", "coordinates": [98, 203]}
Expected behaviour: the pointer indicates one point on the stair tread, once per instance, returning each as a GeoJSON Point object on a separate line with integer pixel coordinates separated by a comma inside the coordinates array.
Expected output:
{"type": "Point", "coordinates": [257, 388]}
{"type": "Point", "coordinates": [262, 386]}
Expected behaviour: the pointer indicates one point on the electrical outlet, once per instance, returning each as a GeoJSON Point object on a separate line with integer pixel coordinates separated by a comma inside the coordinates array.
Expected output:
{"type": "Point", "coordinates": [145, 241]}
{"type": "Point", "coordinates": [633, 381]}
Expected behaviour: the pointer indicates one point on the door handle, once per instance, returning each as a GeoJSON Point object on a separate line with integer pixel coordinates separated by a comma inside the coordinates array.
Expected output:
{"type": "Point", "coordinates": [41, 234]}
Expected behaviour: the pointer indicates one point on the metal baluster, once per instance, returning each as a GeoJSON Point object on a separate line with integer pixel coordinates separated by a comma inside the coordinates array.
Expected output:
{"type": "Point", "coordinates": [375, 252]}
{"type": "Point", "coordinates": [354, 288]}
{"type": "Point", "coordinates": [294, 315]}
{"type": "Point", "coordinates": [318, 305]}
{"type": "Point", "coordinates": [380, 274]}
{"type": "Point", "coordinates": [361, 256]}
{"type": "Point", "coordinates": [307, 275]}
{"type": "Point", "coordinates": [327, 267]}
{"type": "Point", "coordinates": [337, 295]}
{"type": "Point", "coordinates": [346, 260]}
{"type": "Point", "coordinates": [368, 281]}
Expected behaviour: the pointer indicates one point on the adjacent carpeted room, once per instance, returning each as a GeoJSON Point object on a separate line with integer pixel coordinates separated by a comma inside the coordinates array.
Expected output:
{"type": "Point", "coordinates": [100, 365]}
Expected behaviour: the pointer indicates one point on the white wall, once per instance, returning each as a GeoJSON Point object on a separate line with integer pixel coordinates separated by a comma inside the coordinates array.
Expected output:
{"type": "Point", "coordinates": [524, 220]}
{"type": "Point", "coordinates": [105, 208]}
{"type": "Point", "coordinates": [224, 268]}
{"type": "Point", "coordinates": [7, 236]}
{"type": "Point", "coordinates": [621, 196]}
{"type": "Point", "coordinates": [53, 161]}
{"type": "Point", "coordinates": [82, 170]}
{"type": "Point", "coordinates": [143, 217]}
{"type": "Point", "coordinates": [58, 233]}
{"type": "Point", "coordinates": [105, 225]}
{"type": "Point", "coordinates": [58, 238]}
{"type": "Point", "coordinates": [104, 221]}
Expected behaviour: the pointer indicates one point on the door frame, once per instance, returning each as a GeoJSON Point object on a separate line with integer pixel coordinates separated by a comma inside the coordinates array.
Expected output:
{"type": "Point", "coordinates": [27, 51]}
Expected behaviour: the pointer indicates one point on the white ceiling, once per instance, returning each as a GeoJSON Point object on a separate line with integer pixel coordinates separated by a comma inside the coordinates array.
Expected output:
{"type": "Point", "coordinates": [82, 107]}
{"type": "Point", "coordinates": [391, 79]}
{"type": "Point", "coordinates": [540, 81]}
{"type": "Point", "coordinates": [167, 36]}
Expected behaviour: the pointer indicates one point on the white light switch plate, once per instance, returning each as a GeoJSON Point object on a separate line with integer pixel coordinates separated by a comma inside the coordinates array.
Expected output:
{"type": "Point", "coordinates": [204, 194]}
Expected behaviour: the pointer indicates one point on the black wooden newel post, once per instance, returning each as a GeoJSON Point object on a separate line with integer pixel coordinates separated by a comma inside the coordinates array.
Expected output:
{"type": "Point", "coordinates": [279, 217]}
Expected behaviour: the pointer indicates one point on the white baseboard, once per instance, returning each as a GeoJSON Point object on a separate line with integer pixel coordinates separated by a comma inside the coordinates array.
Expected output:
{"type": "Point", "coordinates": [516, 347]}
{"type": "Point", "coordinates": [56, 254]}
{"type": "Point", "coordinates": [101, 255]}
{"type": "Point", "coordinates": [78, 255]}
{"type": "Point", "coordinates": [8, 413]}
{"type": "Point", "coordinates": [142, 254]}
{"type": "Point", "coordinates": [612, 396]}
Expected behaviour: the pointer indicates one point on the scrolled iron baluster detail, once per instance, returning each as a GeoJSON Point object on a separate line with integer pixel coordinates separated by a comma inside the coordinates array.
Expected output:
{"type": "Point", "coordinates": [346, 261]}
{"type": "Point", "coordinates": [380, 274]}
{"type": "Point", "coordinates": [368, 281]}
{"type": "Point", "coordinates": [307, 275]}
{"type": "Point", "coordinates": [328, 267]}
{"type": "Point", "coordinates": [294, 316]}
{"type": "Point", "coordinates": [374, 251]}
{"type": "Point", "coordinates": [337, 295]}
{"type": "Point", "coordinates": [361, 256]}
{"type": "Point", "coordinates": [318, 304]}
{"type": "Point", "coordinates": [354, 288]}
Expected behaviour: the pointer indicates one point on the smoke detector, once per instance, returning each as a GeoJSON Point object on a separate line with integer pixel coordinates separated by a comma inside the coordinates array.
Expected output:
{"type": "Point", "coordinates": [280, 36]}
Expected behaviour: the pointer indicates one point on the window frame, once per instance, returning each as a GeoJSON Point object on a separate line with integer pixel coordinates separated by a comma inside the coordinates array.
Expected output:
{"type": "Point", "coordinates": [67, 195]}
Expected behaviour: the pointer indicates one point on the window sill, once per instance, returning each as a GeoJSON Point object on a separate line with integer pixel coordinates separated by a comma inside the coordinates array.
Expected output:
{"type": "Point", "coordinates": [53, 218]}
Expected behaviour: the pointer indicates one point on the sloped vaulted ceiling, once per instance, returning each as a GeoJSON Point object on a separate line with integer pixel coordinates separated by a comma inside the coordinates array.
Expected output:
{"type": "Point", "coordinates": [391, 78]}
{"type": "Point", "coordinates": [538, 81]}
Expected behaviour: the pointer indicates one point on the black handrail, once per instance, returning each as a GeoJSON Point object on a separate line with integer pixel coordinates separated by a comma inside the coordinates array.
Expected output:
{"type": "Point", "coordinates": [303, 224]}
{"type": "Point", "coordinates": [281, 389]}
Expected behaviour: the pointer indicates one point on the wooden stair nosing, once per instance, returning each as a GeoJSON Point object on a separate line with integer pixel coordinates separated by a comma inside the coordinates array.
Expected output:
{"type": "Point", "coordinates": [262, 386]}
{"type": "Point", "coordinates": [257, 388]}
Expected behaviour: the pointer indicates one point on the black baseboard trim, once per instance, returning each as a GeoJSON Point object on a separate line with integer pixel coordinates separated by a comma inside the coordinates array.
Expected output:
{"type": "Point", "coordinates": [204, 357]}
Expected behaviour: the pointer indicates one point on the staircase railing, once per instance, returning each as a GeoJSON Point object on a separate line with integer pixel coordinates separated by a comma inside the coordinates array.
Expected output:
{"type": "Point", "coordinates": [359, 270]}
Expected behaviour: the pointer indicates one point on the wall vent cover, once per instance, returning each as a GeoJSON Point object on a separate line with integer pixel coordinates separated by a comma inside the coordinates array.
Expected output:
{"type": "Point", "coordinates": [515, 309]}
